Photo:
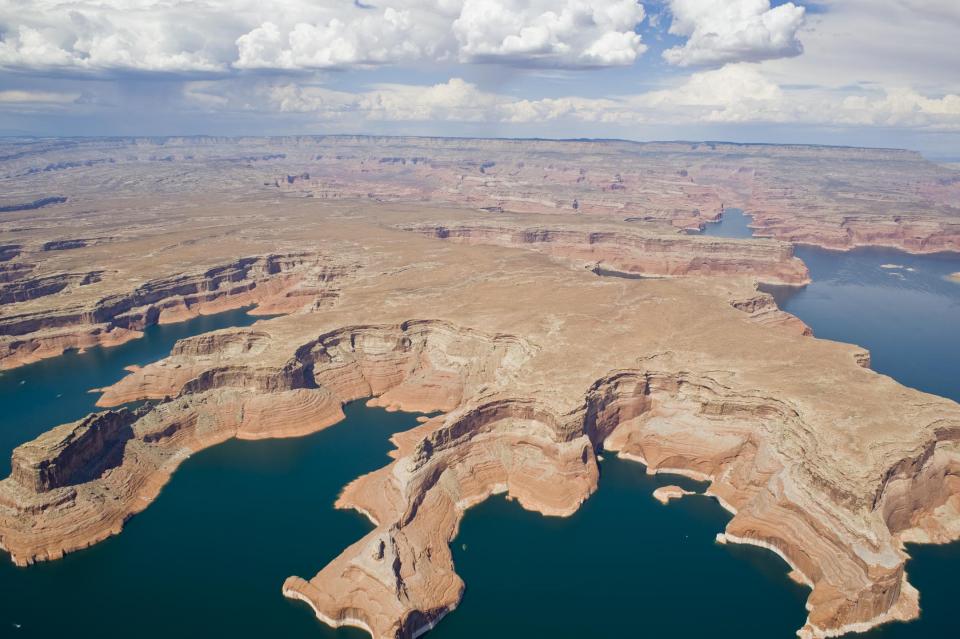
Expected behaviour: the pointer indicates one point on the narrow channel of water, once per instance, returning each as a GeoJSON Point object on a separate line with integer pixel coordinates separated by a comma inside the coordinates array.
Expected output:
{"type": "Point", "coordinates": [734, 223]}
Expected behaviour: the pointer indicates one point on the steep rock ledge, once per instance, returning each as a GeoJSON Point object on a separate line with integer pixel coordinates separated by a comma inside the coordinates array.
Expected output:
{"type": "Point", "coordinates": [275, 283]}
{"type": "Point", "coordinates": [918, 235]}
{"type": "Point", "coordinates": [634, 252]}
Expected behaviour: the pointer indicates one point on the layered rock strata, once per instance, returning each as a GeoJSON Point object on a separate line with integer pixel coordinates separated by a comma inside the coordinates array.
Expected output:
{"type": "Point", "coordinates": [817, 458]}
{"type": "Point", "coordinates": [274, 283]}
{"type": "Point", "coordinates": [625, 251]}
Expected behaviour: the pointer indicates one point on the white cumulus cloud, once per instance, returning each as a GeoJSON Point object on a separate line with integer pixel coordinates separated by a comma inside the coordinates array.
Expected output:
{"type": "Point", "coordinates": [721, 31]}
{"type": "Point", "coordinates": [565, 33]}
{"type": "Point", "coordinates": [734, 94]}
{"type": "Point", "coordinates": [218, 36]}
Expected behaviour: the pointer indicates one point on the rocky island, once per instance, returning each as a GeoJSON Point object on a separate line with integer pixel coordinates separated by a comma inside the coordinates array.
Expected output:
{"type": "Point", "coordinates": [541, 307]}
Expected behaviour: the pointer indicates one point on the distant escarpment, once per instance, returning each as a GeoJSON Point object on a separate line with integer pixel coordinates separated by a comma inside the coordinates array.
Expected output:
{"type": "Point", "coordinates": [627, 252]}
{"type": "Point", "coordinates": [275, 283]}
{"type": "Point", "coordinates": [919, 235]}
{"type": "Point", "coordinates": [36, 204]}
{"type": "Point", "coordinates": [24, 289]}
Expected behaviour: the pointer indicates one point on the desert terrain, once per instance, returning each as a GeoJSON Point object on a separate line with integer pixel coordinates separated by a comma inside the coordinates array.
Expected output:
{"type": "Point", "coordinates": [550, 300]}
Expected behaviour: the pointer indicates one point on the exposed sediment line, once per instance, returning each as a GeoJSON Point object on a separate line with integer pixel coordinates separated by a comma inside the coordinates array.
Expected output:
{"type": "Point", "coordinates": [628, 251]}
{"type": "Point", "coordinates": [274, 283]}
{"type": "Point", "coordinates": [917, 235]}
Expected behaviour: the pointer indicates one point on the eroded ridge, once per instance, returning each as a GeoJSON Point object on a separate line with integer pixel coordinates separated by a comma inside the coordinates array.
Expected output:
{"type": "Point", "coordinates": [274, 283]}
{"type": "Point", "coordinates": [628, 251]}
{"type": "Point", "coordinates": [515, 422]}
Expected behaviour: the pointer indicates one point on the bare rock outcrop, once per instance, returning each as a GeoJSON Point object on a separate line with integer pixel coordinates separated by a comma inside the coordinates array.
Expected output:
{"type": "Point", "coordinates": [274, 283]}
{"type": "Point", "coordinates": [622, 250]}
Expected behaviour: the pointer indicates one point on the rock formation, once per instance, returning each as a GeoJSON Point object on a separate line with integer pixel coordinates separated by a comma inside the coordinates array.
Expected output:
{"type": "Point", "coordinates": [273, 283]}
{"type": "Point", "coordinates": [666, 494]}
{"type": "Point", "coordinates": [617, 250]}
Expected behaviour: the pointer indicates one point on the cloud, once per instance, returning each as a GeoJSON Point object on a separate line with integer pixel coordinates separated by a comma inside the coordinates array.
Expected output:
{"type": "Point", "coordinates": [904, 107]}
{"type": "Point", "coordinates": [734, 94]}
{"type": "Point", "coordinates": [219, 36]}
{"type": "Point", "coordinates": [570, 33]}
{"type": "Point", "coordinates": [733, 31]}
{"type": "Point", "coordinates": [370, 38]}
{"type": "Point", "coordinates": [877, 42]}
{"type": "Point", "coordinates": [90, 36]}
{"type": "Point", "coordinates": [16, 96]}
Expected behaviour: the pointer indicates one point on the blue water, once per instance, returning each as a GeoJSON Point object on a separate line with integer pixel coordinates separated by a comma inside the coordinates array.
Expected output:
{"type": "Point", "coordinates": [209, 556]}
{"type": "Point", "coordinates": [624, 565]}
{"type": "Point", "coordinates": [901, 307]}
{"type": "Point", "coordinates": [733, 223]}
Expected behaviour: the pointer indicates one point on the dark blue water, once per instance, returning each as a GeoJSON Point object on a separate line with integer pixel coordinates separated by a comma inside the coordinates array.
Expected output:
{"type": "Point", "coordinates": [623, 566]}
{"type": "Point", "coordinates": [209, 557]}
{"type": "Point", "coordinates": [54, 391]}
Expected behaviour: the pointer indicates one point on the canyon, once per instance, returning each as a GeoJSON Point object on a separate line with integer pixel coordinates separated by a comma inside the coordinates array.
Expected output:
{"type": "Point", "coordinates": [537, 331]}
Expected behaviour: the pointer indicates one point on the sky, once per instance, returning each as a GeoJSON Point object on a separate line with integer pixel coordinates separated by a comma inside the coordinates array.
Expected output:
{"type": "Point", "coordinates": [851, 72]}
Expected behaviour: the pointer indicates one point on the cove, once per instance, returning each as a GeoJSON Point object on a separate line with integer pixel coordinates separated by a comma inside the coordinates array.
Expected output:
{"type": "Point", "coordinates": [209, 556]}
{"type": "Point", "coordinates": [623, 565]}
{"type": "Point", "coordinates": [54, 391]}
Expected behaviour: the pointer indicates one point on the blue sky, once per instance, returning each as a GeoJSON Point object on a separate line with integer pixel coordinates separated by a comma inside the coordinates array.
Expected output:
{"type": "Point", "coordinates": [860, 72]}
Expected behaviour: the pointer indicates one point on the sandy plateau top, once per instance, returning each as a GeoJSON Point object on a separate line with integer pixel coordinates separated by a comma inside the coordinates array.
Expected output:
{"type": "Point", "coordinates": [500, 321]}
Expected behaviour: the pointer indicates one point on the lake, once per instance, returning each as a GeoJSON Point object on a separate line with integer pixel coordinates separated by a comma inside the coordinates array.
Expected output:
{"type": "Point", "coordinates": [210, 555]}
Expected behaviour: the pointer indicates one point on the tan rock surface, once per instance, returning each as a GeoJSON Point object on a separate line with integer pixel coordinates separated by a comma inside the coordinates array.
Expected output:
{"type": "Point", "coordinates": [666, 494]}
